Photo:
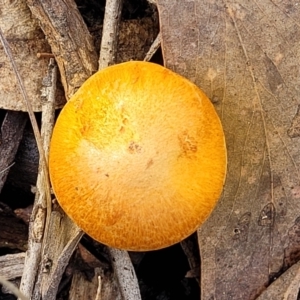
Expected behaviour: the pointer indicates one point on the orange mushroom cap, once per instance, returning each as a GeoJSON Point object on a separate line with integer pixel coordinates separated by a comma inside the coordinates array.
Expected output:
{"type": "Point", "coordinates": [138, 157]}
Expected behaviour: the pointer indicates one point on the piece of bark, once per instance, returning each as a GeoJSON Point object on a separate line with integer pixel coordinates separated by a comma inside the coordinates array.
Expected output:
{"type": "Point", "coordinates": [245, 56]}
{"type": "Point", "coordinates": [70, 41]}
{"type": "Point", "coordinates": [11, 265]}
{"type": "Point", "coordinates": [61, 242]}
{"type": "Point", "coordinates": [26, 39]}
{"type": "Point", "coordinates": [14, 232]}
{"type": "Point", "coordinates": [11, 134]}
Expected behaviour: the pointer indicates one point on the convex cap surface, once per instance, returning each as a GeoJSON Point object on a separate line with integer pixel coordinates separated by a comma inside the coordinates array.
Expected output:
{"type": "Point", "coordinates": [138, 157]}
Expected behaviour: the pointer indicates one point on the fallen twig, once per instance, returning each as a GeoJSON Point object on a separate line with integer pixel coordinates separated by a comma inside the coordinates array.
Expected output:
{"type": "Point", "coordinates": [109, 41]}
{"type": "Point", "coordinates": [125, 274]}
{"type": "Point", "coordinates": [98, 295]}
{"type": "Point", "coordinates": [40, 217]}
{"type": "Point", "coordinates": [7, 168]}
{"type": "Point", "coordinates": [154, 47]}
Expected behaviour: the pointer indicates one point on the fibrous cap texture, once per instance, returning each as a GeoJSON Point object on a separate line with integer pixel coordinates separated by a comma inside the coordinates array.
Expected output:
{"type": "Point", "coordinates": [138, 157]}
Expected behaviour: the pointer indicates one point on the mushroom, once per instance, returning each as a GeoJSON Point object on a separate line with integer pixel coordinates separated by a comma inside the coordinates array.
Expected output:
{"type": "Point", "coordinates": [138, 157]}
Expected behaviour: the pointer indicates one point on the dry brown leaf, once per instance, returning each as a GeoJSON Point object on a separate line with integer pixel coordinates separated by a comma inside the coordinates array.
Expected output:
{"type": "Point", "coordinates": [26, 40]}
{"type": "Point", "coordinates": [245, 56]}
{"type": "Point", "coordinates": [286, 287]}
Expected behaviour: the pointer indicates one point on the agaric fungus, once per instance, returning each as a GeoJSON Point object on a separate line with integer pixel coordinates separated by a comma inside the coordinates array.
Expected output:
{"type": "Point", "coordinates": [138, 157]}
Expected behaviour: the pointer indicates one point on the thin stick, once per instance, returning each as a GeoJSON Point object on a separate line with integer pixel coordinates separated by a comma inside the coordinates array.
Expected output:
{"type": "Point", "coordinates": [154, 47]}
{"type": "Point", "coordinates": [37, 237]}
{"type": "Point", "coordinates": [45, 55]}
{"type": "Point", "coordinates": [125, 274]}
{"type": "Point", "coordinates": [98, 294]}
{"type": "Point", "coordinates": [109, 42]}
{"type": "Point", "coordinates": [2, 171]}
{"type": "Point", "coordinates": [12, 288]}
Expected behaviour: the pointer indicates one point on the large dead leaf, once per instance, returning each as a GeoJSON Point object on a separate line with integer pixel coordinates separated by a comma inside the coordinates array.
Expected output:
{"type": "Point", "coordinates": [245, 56]}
